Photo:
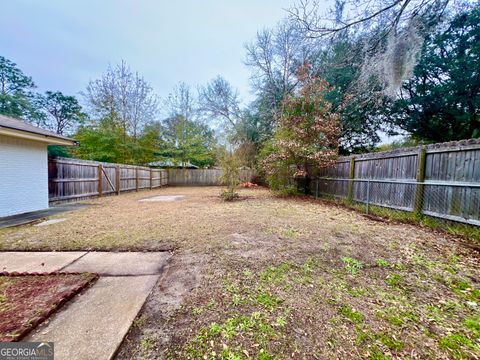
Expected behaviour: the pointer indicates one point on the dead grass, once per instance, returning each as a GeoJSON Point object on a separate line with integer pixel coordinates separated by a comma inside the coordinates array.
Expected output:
{"type": "Point", "coordinates": [268, 278]}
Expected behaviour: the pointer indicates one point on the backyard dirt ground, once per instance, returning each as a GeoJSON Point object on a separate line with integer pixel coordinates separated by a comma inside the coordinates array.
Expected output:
{"type": "Point", "coordinates": [267, 278]}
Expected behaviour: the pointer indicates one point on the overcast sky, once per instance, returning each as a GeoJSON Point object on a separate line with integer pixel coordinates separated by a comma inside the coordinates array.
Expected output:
{"type": "Point", "coordinates": [63, 44]}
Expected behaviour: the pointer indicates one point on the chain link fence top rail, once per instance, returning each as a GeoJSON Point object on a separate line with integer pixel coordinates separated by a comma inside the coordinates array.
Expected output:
{"type": "Point", "coordinates": [461, 204]}
{"type": "Point", "coordinates": [440, 180]}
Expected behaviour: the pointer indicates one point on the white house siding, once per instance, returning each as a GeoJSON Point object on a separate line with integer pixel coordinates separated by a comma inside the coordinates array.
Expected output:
{"type": "Point", "coordinates": [23, 176]}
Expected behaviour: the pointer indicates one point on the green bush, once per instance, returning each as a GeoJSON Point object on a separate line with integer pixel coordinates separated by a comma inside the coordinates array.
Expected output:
{"type": "Point", "coordinates": [281, 179]}
{"type": "Point", "coordinates": [230, 176]}
{"type": "Point", "coordinates": [287, 190]}
{"type": "Point", "coordinates": [228, 195]}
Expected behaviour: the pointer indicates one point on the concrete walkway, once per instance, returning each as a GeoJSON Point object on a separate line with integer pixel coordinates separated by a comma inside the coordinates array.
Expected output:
{"type": "Point", "coordinates": [27, 218]}
{"type": "Point", "coordinates": [92, 325]}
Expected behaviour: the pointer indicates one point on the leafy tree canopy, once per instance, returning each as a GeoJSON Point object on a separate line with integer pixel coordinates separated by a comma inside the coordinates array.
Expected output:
{"type": "Point", "coordinates": [441, 102]}
{"type": "Point", "coordinates": [15, 95]}
{"type": "Point", "coordinates": [187, 141]}
{"type": "Point", "coordinates": [62, 112]}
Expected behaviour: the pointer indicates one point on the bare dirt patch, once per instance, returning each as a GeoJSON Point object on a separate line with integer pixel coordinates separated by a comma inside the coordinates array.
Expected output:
{"type": "Point", "coordinates": [27, 300]}
{"type": "Point", "coordinates": [181, 277]}
{"type": "Point", "coordinates": [163, 198]}
{"type": "Point", "coordinates": [269, 278]}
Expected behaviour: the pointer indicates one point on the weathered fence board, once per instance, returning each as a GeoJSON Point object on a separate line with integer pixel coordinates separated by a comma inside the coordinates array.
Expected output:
{"type": "Point", "coordinates": [202, 177]}
{"type": "Point", "coordinates": [448, 188]}
{"type": "Point", "coordinates": [74, 179]}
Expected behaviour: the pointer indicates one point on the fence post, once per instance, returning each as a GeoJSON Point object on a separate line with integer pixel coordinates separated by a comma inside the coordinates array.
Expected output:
{"type": "Point", "coordinates": [117, 179]}
{"type": "Point", "coordinates": [52, 175]}
{"type": "Point", "coordinates": [350, 181]}
{"type": "Point", "coordinates": [136, 179]}
{"type": "Point", "coordinates": [422, 160]}
{"type": "Point", "coordinates": [368, 195]}
{"type": "Point", "coordinates": [151, 179]}
{"type": "Point", "coordinates": [100, 180]}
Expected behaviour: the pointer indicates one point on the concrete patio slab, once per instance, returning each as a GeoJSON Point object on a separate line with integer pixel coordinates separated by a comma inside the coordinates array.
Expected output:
{"type": "Point", "coordinates": [163, 198]}
{"type": "Point", "coordinates": [50, 222]}
{"type": "Point", "coordinates": [120, 263]}
{"type": "Point", "coordinates": [94, 325]}
{"type": "Point", "coordinates": [37, 261]}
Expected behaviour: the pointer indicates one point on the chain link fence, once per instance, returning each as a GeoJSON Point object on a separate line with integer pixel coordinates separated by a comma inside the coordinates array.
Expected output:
{"type": "Point", "coordinates": [451, 206]}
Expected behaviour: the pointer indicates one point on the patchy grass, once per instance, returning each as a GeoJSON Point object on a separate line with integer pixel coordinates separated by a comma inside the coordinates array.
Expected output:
{"type": "Point", "coordinates": [278, 278]}
{"type": "Point", "coordinates": [353, 266]}
{"type": "Point", "coordinates": [382, 263]}
{"type": "Point", "coordinates": [470, 232]}
{"type": "Point", "coordinates": [351, 314]}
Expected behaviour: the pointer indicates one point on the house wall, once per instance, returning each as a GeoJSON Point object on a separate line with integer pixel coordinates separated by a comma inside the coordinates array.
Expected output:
{"type": "Point", "coordinates": [23, 176]}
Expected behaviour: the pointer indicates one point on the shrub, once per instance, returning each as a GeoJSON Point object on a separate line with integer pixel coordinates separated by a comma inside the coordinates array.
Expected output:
{"type": "Point", "coordinates": [307, 134]}
{"type": "Point", "coordinates": [230, 176]}
{"type": "Point", "coordinates": [228, 195]}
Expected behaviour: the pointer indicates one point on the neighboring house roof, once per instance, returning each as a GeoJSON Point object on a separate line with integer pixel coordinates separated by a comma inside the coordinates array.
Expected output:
{"type": "Point", "coordinates": [20, 129]}
{"type": "Point", "coordinates": [172, 164]}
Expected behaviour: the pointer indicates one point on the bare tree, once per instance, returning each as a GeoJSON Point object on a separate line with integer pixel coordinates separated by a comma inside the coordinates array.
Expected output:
{"type": "Point", "coordinates": [181, 111]}
{"type": "Point", "coordinates": [274, 57]}
{"type": "Point", "coordinates": [348, 14]}
{"type": "Point", "coordinates": [219, 100]}
{"type": "Point", "coordinates": [124, 96]}
{"type": "Point", "coordinates": [238, 128]}
{"type": "Point", "coordinates": [181, 102]}
{"type": "Point", "coordinates": [100, 95]}
{"type": "Point", "coordinates": [396, 28]}
{"type": "Point", "coordinates": [143, 104]}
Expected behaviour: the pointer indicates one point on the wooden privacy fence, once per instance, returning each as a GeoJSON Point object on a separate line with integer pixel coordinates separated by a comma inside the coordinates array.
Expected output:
{"type": "Point", "coordinates": [202, 177]}
{"type": "Point", "coordinates": [441, 180]}
{"type": "Point", "coordinates": [70, 179]}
